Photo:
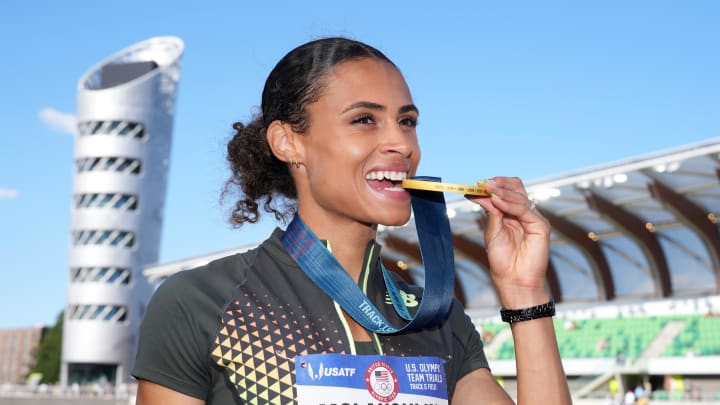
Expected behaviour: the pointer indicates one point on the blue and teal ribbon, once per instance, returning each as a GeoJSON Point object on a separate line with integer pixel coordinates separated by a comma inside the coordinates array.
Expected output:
{"type": "Point", "coordinates": [435, 239]}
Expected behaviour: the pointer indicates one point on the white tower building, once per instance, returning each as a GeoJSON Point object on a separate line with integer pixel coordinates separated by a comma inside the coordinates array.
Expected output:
{"type": "Point", "coordinates": [125, 119]}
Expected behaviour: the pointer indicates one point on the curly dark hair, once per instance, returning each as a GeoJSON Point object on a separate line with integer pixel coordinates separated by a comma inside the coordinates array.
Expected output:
{"type": "Point", "coordinates": [258, 176]}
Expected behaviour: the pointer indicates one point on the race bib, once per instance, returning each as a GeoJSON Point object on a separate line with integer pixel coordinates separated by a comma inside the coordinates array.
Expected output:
{"type": "Point", "coordinates": [340, 379]}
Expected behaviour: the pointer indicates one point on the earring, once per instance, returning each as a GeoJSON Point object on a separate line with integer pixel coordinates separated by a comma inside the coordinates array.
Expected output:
{"type": "Point", "coordinates": [294, 162]}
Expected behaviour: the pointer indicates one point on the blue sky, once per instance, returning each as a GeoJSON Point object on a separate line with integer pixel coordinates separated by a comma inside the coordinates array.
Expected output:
{"type": "Point", "coordinates": [529, 89]}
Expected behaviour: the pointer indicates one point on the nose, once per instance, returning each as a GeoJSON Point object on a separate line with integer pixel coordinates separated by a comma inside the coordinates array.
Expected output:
{"type": "Point", "coordinates": [400, 140]}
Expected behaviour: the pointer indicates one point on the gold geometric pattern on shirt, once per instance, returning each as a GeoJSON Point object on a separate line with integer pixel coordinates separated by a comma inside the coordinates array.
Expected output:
{"type": "Point", "coordinates": [257, 340]}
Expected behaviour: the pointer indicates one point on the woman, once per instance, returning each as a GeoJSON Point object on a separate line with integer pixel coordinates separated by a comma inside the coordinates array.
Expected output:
{"type": "Point", "coordinates": [337, 135]}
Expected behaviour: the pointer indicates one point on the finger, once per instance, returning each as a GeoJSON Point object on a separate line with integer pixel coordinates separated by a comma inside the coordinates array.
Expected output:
{"type": "Point", "coordinates": [512, 200]}
{"type": "Point", "coordinates": [512, 183]}
{"type": "Point", "coordinates": [494, 216]}
{"type": "Point", "coordinates": [506, 192]}
{"type": "Point", "coordinates": [510, 189]}
{"type": "Point", "coordinates": [485, 202]}
{"type": "Point", "coordinates": [509, 195]}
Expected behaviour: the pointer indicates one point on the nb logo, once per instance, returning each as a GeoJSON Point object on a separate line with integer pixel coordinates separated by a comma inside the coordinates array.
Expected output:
{"type": "Point", "coordinates": [409, 299]}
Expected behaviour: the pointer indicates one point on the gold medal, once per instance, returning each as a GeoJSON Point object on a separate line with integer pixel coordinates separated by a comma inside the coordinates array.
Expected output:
{"type": "Point", "coordinates": [445, 187]}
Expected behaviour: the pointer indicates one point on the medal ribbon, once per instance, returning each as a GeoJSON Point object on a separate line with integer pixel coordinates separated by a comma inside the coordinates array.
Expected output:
{"type": "Point", "coordinates": [435, 239]}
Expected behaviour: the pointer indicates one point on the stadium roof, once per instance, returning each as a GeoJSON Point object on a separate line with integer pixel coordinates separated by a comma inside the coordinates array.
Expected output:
{"type": "Point", "coordinates": [158, 272]}
{"type": "Point", "coordinates": [646, 227]}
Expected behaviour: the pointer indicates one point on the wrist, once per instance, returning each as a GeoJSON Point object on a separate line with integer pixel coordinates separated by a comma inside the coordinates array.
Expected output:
{"type": "Point", "coordinates": [522, 297]}
{"type": "Point", "coordinates": [527, 314]}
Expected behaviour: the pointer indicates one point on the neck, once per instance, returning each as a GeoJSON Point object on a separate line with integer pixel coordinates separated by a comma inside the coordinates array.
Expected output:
{"type": "Point", "coordinates": [348, 240]}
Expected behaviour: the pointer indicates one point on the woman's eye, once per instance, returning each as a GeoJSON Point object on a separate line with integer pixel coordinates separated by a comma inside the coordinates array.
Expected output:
{"type": "Point", "coordinates": [409, 122]}
{"type": "Point", "coordinates": [363, 119]}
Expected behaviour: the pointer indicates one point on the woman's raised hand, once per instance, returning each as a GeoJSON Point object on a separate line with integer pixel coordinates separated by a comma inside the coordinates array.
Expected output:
{"type": "Point", "coordinates": [518, 243]}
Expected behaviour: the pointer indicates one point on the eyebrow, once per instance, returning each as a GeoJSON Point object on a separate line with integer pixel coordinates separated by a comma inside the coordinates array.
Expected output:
{"type": "Point", "coordinates": [408, 108]}
{"type": "Point", "coordinates": [379, 107]}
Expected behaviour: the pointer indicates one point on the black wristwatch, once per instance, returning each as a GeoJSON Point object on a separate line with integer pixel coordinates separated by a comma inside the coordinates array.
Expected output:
{"type": "Point", "coordinates": [526, 314]}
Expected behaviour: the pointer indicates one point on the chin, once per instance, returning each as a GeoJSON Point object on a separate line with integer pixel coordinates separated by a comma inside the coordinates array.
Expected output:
{"type": "Point", "coordinates": [395, 220]}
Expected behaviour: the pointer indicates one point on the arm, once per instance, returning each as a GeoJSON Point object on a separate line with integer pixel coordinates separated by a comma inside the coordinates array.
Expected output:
{"type": "Point", "coordinates": [518, 245]}
{"type": "Point", "coordinates": [171, 366]}
{"type": "Point", "coordinates": [150, 393]}
{"type": "Point", "coordinates": [480, 384]}
{"type": "Point", "coordinates": [540, 372]}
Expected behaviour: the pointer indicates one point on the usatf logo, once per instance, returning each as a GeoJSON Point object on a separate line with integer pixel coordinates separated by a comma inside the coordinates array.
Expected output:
{"type": "Point", "coordinates": [381, 381]}
{"type": "Point", "coordinates": [314, 376]}
{"type": "Point", "coordinates": [329, 372]}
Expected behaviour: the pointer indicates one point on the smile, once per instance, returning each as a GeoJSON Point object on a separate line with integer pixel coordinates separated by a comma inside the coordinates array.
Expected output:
{"type": "Point", "coordinates": [389, 180]}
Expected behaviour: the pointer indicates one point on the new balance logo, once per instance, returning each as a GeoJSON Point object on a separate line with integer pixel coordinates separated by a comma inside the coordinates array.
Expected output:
{"type": "Point", "coordinates": [409, 299]}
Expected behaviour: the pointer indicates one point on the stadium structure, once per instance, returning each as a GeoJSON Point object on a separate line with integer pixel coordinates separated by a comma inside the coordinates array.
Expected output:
{"type": "Point", "coordinates": [634, 269]}
{"type": "Point", "coordinates": [125, 110]}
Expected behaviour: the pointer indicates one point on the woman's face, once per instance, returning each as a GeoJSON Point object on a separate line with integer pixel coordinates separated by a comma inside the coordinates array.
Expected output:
{"type": "Point", "coordinates": [359, 145]}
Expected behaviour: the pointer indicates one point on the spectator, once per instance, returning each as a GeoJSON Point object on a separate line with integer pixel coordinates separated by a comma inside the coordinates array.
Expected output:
{"type": "Point", "coordinates": [629, 397]}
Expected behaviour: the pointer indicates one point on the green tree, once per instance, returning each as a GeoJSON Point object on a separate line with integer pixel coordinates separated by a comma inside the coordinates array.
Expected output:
{"type": "Point", "coordinates": [47, 355]}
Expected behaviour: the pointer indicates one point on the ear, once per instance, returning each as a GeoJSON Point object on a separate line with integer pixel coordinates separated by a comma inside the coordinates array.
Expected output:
{"type": "Point", "coordinates": [283, 141]}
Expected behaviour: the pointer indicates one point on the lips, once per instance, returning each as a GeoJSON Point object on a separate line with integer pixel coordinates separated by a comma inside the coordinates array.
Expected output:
{"type": "Point", "coordinates": [386, 180]}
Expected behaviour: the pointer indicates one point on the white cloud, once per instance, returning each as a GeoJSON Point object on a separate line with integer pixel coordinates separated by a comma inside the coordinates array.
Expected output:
{"type": "Point", "coordinates": [58, 121]}
{"type": "Point", "coordinates": [6, 193]}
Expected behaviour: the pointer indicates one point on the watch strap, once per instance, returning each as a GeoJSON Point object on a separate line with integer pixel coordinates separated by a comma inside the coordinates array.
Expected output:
{"type": "Point", "coordinates": [527, 314]}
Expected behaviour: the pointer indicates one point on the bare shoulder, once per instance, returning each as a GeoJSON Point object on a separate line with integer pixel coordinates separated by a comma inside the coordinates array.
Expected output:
{"type": "Point", "coordinates": [150, 393]}
{"type": "Point", "coordinates": [480, 384]}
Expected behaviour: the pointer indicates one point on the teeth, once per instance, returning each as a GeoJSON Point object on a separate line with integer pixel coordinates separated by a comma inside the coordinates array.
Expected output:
{"type": "Point", "coordinates": [394, 188]}
{"type": "Point", "coordinates": [389, 175]}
